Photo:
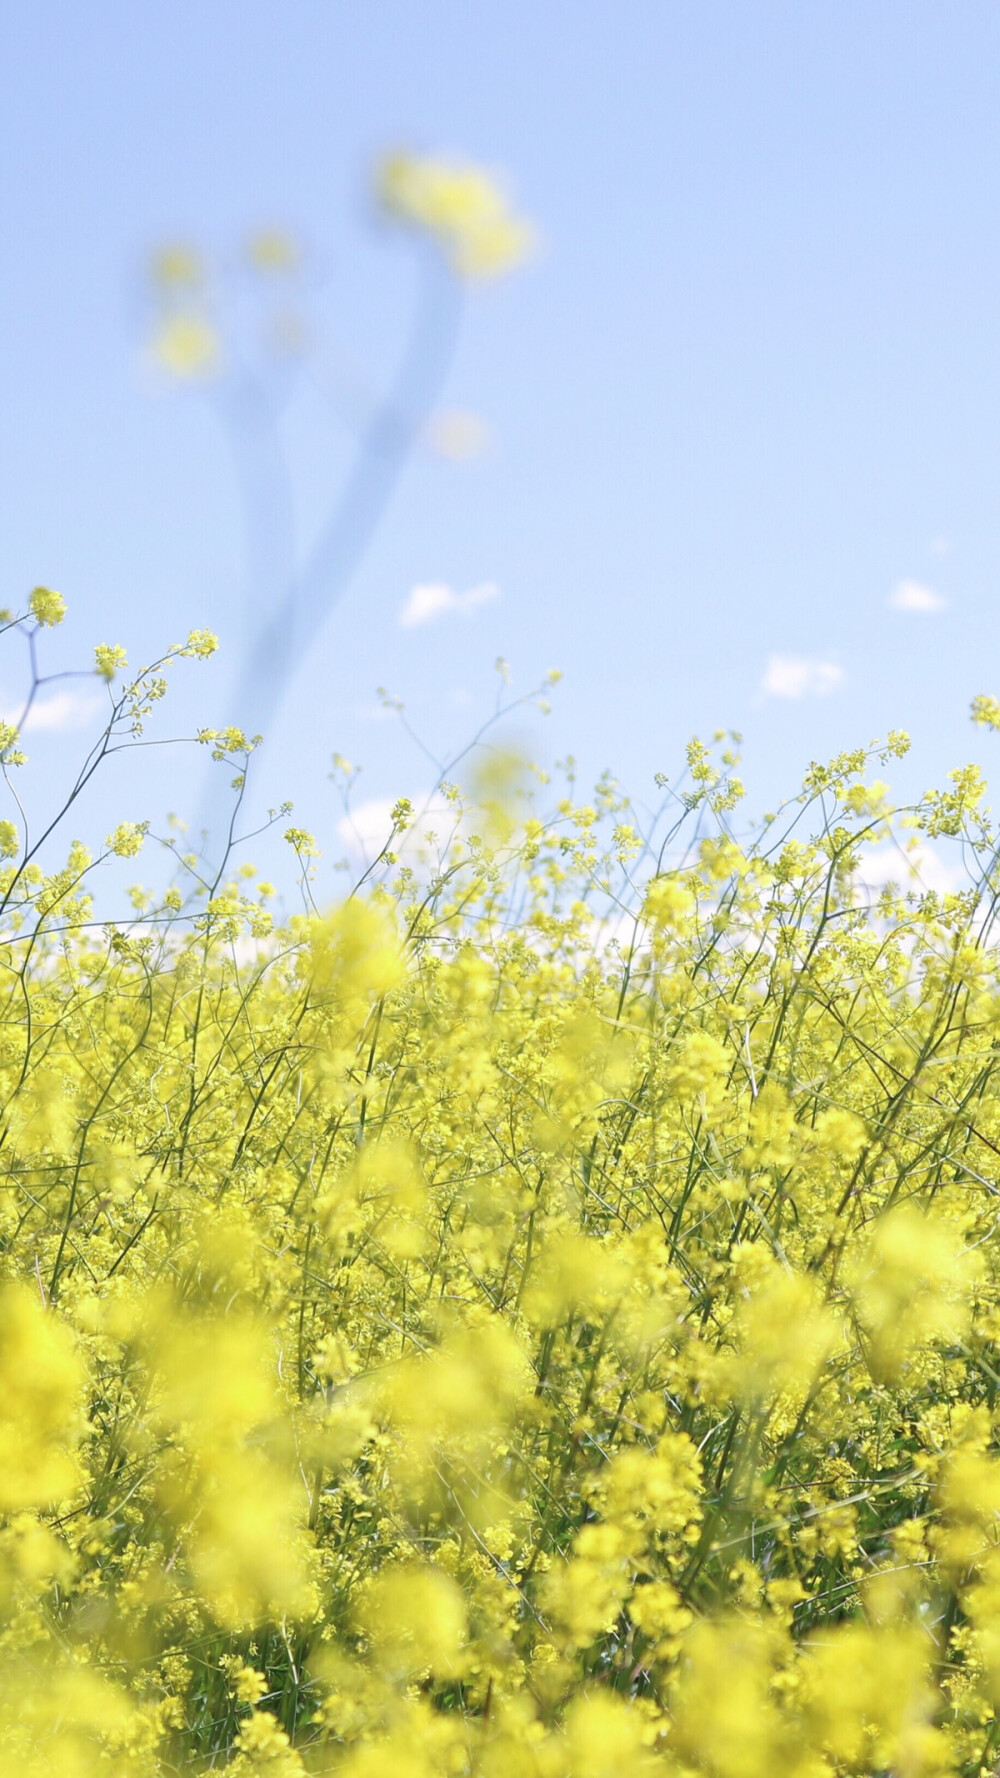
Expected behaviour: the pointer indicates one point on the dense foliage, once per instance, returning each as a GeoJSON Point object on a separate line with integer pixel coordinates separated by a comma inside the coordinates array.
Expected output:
{"type": "Point", "coordinates": [538, 1318]}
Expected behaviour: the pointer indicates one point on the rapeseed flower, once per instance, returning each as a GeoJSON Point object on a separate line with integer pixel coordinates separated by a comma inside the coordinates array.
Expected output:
{"type": "Point", "coordinates": [437, 1338]}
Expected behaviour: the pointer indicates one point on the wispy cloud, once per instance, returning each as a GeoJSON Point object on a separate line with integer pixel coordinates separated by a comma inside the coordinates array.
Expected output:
{"type": "Point", "coordinates": [792, 676]}
{"type": "Point", "coordinates": [55, 714]}
{"type": "Point", "coordinates": [435, 600]}
{"type": "Point", "coordinates": [909, 595]}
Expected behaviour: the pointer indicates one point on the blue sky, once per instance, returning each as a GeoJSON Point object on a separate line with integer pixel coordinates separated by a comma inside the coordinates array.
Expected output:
{"type": "Point", "coordinates": [746, 389]}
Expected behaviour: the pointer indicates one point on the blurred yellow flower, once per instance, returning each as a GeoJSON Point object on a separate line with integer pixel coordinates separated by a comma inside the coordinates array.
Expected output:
{"type": "Point", "coordinates": [176, 266]}
{"type": "Point", "coordinates": [273, 250]}
{"type": "Point", "coordinates": [187, 346]}
{"type": "Point", "coordinates": [42, 1381]}
{"type": "Point", "coordinates": [458, 435]}
{"type": "Point", "coordinates": [986, 711]}
{"type": "Point", "coordinates": [457, 203]}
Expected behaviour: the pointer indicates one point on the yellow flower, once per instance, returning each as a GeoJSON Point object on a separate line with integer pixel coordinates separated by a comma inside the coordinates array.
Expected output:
{"type": "Point", "coordinates": [127, 838]}
{"type": "Point", "coordinates": [187, 346]}
{"type": "Point", "coordinates": [273, 250]}
{"type": "Point", "coordinates": [41, 1387]}
{"type": "Point", "coordinates": [669, 903]}
{"type": "Point", "coordinates": [414, 1617]}
{"type": "Point", "coordinates": [47, 607]}
{"type": "Point", "coordinates": [108, 658]}
{"type": "Point", "coordinates": [986, 711]}
{"type": "Point", "coordinates": [912, 1284]}
{"type": "Point", "coordinates": [460, 206]}
{"type": "Point", "coordinates": [201, 643]}
{"type": "Point", "coordinates": [176, 266]}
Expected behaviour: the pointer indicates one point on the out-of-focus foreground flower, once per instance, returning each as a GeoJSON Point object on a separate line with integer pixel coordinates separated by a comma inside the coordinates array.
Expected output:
{"type": "Point", "coordinates": [460, 206]}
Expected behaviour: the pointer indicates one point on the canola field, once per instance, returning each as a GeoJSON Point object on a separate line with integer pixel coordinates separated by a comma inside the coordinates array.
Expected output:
{"type": "Point", "coordinates": [538, 1318]}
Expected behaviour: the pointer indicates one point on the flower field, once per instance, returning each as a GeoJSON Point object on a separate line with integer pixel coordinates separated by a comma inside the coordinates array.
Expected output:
{"type": "Point", "coordinates": [538, 1318]}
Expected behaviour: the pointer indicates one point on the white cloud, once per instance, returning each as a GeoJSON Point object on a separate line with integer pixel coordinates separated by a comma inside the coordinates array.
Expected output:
{"type": "Point", "coordinates": [365, 831]}
{"type": "Point", "coordinates": [63, 710]}
{"type": "Point", "coordinates": [426, 603]}
{"type": "Point", "coordinates": [921, 868]}
{"type": "Point", "coordinates": [909, 595]}
{"type": "Point", "coordinates": [791, 676]}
